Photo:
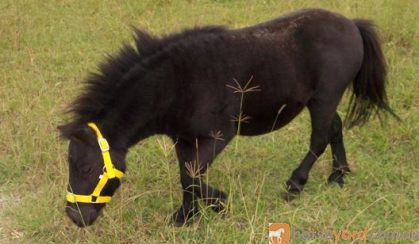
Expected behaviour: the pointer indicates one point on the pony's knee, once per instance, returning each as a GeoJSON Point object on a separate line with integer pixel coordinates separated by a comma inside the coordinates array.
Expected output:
{"type": "Point", "coordinates": [318, 148]}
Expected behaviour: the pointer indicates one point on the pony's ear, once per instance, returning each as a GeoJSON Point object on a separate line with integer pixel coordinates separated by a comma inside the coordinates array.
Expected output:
{"type": "Point", "coordinates": [74, 131]}
{"type": "Point", "coordinates": [83, 134]}
{"type": "Point", "coordinates": [144, 42]}
{"type": "Point", "coordinates": [65, 130]}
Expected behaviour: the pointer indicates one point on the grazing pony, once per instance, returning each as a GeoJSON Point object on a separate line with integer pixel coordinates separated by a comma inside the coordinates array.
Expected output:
{"type": "Point", "coordinates": [200, 86]}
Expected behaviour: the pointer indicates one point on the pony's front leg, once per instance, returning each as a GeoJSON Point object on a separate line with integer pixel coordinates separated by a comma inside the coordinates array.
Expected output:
{"type": "Point", "coordinates": [195, 156]}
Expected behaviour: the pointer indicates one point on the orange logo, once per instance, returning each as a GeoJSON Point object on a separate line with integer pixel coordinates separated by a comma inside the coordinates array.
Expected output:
{"type": "Point", "coordinates": [279, 233]}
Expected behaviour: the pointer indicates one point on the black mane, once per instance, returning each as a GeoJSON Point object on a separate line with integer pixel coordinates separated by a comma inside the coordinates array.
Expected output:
{"type": "Point", "coordinates": [102, 87]}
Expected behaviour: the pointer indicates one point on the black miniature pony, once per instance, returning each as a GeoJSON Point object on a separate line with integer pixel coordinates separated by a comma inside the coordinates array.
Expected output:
{"type": "Point", "coordinates": [209, 83]}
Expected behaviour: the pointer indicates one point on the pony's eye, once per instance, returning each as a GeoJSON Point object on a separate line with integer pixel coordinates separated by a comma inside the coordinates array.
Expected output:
{"type": "Point", "coordinates": [86, 170]}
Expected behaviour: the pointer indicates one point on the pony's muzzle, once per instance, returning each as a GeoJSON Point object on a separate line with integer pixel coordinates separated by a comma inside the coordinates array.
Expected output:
{"type": "Point", "coordinates": [83, 214]}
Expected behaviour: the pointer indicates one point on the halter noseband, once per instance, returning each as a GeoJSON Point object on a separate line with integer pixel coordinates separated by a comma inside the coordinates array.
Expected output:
{"type": "Point", "coordinates": [109, 172]}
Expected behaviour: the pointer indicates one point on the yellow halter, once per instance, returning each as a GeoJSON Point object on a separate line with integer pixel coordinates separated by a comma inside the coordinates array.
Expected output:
{"type": "Point", "coordinates": [109, 172]}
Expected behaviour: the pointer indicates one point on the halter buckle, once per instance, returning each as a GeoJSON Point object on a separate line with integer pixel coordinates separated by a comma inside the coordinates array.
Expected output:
{"type": "Point", "coordinates": [103, 144]}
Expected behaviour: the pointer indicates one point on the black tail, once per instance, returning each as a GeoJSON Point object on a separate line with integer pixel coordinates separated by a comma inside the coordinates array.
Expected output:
{"type": "Point", "coordinates": [369, 93]}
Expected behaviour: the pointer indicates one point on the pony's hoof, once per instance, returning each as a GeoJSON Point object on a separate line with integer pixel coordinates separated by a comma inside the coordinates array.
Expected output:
{"type": "Point", "coordinates": [182, 217]}
{"type": "Point", "coordinates": [219, 204]}
{"type": "Point", "coordinates": [289, 196]}
{"type": "Point", "coordinates": [336, 177]}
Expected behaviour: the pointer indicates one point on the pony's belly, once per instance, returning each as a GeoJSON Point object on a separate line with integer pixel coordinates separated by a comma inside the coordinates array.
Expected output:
{"type": "Point", "coordinates": [261, 123]}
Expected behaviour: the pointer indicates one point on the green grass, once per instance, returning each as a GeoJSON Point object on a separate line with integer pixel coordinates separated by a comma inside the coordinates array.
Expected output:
{"type": "Point", "coordinates": [48, 47]}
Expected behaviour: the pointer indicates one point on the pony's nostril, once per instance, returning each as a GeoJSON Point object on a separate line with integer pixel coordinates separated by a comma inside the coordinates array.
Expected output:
{"type": "Point", "coordinates": [74, 216]}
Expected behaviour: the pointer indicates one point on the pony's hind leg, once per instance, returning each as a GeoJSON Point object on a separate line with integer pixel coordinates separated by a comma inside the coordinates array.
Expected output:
{"type": "Point", "coordinates": [340, 165]}
{"type": "Point", "coordinates": [195, 156]}
{"type": "Point", "coordinates": [322, 113]}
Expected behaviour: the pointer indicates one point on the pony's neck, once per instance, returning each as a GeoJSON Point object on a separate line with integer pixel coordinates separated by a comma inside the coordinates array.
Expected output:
{"type": "Point", "coordinates": [141, 108]}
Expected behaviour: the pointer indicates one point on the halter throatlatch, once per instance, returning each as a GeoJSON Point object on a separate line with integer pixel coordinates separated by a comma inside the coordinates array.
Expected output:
{"type": "Point", "coordinates": [109, 172]}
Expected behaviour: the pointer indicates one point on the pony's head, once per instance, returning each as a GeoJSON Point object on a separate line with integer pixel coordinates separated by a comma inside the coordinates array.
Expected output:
{"type": "Point", "coordinates": [95, 172]}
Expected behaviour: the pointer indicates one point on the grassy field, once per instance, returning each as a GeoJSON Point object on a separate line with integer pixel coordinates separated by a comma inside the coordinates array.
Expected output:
{"type": "Point", "coordinates": [48, 47]}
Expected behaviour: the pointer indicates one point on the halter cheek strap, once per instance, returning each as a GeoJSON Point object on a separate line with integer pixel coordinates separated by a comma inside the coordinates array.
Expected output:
{"type": "Point", "coordinates": [109, 172]}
